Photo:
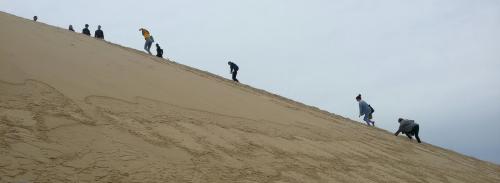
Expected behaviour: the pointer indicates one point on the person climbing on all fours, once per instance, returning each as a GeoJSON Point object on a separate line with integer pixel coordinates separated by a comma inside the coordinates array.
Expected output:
{"type": "Point", "coordinates": [409, 128]}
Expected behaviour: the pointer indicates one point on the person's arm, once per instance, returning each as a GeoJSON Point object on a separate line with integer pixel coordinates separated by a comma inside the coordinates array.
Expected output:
{"type": "Point", "coordinates": [360, 110]}
{"type": "Point", "coordinates": [402, 125]}
{"type": "Point", "coordinates": [399, 130]}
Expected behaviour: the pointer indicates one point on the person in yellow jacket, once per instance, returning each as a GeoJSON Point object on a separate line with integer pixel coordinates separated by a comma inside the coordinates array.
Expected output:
{"type": "Point", "coordinates": [149, 39]}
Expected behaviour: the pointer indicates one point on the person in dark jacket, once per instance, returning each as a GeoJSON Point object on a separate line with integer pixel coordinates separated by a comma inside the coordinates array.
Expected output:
{"type": "Point", "coordinates": [71, 28]}
{"type": "Point", "coordinates": [159, 51]}
{"type": "Point", "coordinates": [408, 127]}
{"type": "Point", "coordinates": [366, 110]}
{"type": "Point", "coordinates": [99, 33]}
{"type": "Point", "coordinates": [86, 30]}
{"type": "Point", "coordinates": [233, 70]}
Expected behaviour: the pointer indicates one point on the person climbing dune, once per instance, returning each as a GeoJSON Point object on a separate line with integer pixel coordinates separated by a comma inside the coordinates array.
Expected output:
{"type": "Point", "coordinates": [233, 69]}
{"type": "Point", "coordinates": [409, 128]}
{"type": "Point", "coordinates": [366, 110]}
{"type": "Point", "coordinates": [149, 39]}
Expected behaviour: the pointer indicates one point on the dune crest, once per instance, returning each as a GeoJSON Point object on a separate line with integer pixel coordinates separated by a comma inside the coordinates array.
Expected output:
{"type": "Point", "coordinates": [77, 109]}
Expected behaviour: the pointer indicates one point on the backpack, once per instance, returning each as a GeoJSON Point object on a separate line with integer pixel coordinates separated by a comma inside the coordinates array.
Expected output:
{"type": "Point", "coordinates": [371, 108]}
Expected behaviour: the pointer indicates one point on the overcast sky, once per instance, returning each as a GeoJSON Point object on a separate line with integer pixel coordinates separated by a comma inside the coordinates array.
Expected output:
{"type": "Point", "coordinates": [434, 61]}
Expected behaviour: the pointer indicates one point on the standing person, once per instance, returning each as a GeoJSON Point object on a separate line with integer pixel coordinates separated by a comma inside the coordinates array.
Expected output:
{"type": "Point", "coordinates": [233, 70]}
{"type": "Point", "coordinates": [35, 18]}
{"type": "Point", "coordinates": [99, 33]}
{"type": "Point", "coordinates": [149, 39]}
{"type": "Point", "coordinates": [159, 51]}
{"type": "Point", "coordinates": [71, 28]}
{"type": "Point", "coordinates": [366, 110]}
{"type": "Point", "coordinates": [86, 30]}
{"type": "Point", "coordinates": [408, 127]}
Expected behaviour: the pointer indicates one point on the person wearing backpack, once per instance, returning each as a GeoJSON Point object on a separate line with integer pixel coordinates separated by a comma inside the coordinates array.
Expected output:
{"type": "Point", "coordinates": [366, 110]}
{"type": "Point", "coordinates": [409, 128]}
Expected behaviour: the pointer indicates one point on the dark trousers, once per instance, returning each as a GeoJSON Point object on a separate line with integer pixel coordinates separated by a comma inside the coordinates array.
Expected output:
{"type": "Point", "coordinates": [414, 131]}
{"type": "Point", "coordinates": [234, 76]}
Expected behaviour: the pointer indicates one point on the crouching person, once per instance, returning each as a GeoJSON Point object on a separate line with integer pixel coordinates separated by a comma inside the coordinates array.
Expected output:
{"type": "Point", "coordinates": [408, 127]}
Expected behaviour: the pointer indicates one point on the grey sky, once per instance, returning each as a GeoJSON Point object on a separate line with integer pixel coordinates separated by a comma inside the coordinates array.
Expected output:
{"type": "Point", "coordinates": [435, 61]}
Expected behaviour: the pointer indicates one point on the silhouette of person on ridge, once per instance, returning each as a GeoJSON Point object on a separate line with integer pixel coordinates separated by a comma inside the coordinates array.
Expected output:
{"type": "Point", "coordinates": [233, 70]}
{"type": "Point", "coordinates": [149, 39]}
{"type": "Point", "coordinates": [99, 33]}
{"type": "Point", "coordinates": [366, 110]}
{"type": "Point", "coordinates": [159, 51]}
{"type": "Point", "coordinates": [409, 128]}
{"type": "Point", "coordinates": [71, 28]}
{"type": "Point", "coordinates": [86, 30]}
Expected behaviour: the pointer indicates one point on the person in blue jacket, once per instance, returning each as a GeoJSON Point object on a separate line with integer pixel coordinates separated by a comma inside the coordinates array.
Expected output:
{"type": "Point", "coordinates": [365, 110]}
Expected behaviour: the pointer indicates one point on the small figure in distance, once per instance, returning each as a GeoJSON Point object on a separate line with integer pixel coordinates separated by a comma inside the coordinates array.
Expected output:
{"type": "Point", "coordinates": [71, 28]}
{"type": "Point", "coordinates": [159, 51]}
{"type": "Point", "coordinates": [366, 110]}
{"type": "Point", "coordinates": [99, 34]}
{"type": "Point", "coordinates": [35, 18]}
{"type": "Point", "coordinates": [233, 70]}
{"type": "Point", "coordinates": [86, 30]}
{"type": "Point", "coordinates": [149, 39]}
{"type": "Point", "coordinates": [408, 127]}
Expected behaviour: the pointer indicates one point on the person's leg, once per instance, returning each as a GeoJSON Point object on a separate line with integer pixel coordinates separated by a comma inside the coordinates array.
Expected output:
{"type": "Point", "coordinates": [370, 117]}
{"type": "Point", "coordinates": [149, 42]}
{"type": "Point", "coordinates": [234, 76]}
{"type": "Point", "coordinates": [415, 131]}
{"type": "Point", "coordinates": [366, 119]}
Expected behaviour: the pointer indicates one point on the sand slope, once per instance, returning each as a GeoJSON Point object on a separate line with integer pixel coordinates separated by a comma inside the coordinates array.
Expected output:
{"type": "Point", "coordinates": [76, 109]}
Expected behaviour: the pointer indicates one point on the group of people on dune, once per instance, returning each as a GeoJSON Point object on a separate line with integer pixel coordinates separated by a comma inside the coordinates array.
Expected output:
{"type": "Point", "coordinates": [149, 40]}
{"type": "Point", "coordinates": [406, 126]}
{"type": "Point", "coordinates": [99, 34]}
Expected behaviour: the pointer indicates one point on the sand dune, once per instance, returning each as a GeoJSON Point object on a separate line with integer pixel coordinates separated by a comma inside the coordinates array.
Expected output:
{"type": "Point", "coordinates": [77, 109]}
